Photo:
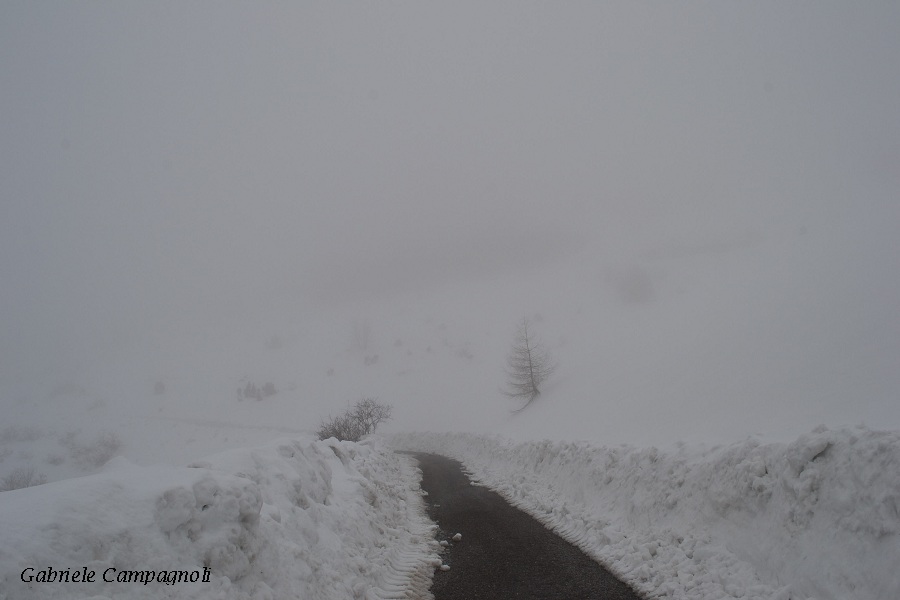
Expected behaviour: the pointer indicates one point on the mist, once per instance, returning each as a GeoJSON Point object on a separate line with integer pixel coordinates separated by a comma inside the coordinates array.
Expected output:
{"type": "Point", "coordinates": [695, 203]}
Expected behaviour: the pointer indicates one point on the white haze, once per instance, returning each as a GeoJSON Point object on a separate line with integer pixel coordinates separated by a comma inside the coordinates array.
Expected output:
{"type": "Point", "coordinates": [696, 204]}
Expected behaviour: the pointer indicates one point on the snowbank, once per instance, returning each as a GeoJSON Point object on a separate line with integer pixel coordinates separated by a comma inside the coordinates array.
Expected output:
{"type": "Point", "coordinates": [291, 519]}
{"type": "Point", "coordinates": [816, 518]}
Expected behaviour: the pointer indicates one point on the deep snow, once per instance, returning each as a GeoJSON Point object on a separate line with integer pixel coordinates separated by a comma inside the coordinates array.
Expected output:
{"type": "Point", "coordinates": [817, 518]}
{"type": "Point", "coordinates": [658, 346]}
{"type": "Point", "coordinates": [769, 517]}
{"type": "Point", "coordinates": [295, 518]}
{"type": "Point", "coordinates": [698, 211]}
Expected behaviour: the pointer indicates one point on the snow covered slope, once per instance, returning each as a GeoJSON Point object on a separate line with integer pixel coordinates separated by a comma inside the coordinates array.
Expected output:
{"type": "Point", "coordinates": [295, 518]}
{"type": "Point", "coordinates": [816, 518]}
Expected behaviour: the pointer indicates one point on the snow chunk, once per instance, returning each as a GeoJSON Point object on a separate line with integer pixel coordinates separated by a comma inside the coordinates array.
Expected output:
{"type": "Point", "coordinates": [294, 518]}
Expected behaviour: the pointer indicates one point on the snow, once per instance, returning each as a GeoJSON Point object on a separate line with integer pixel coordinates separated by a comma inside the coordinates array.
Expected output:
{"type": "Point", "coordinates": [293, 518]}
{"type": "Point", "coordinates": [696, 289]}
{"type": "Point", "coordinates": [814, 516]}
{"type": "Point", "coordinates": [817, 518]}
{"type": "Point", "coordinates": [729, 340]}
{"type": "Point", "coordinates": [780, 516]}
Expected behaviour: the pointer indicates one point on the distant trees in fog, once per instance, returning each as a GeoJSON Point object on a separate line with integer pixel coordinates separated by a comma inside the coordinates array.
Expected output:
{"type": "Point", "coordinates": [251, 390]}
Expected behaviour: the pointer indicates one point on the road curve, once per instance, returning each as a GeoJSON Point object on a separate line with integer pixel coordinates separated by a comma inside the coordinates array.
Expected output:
{"type": "Point", "coordinates": [504, 553]}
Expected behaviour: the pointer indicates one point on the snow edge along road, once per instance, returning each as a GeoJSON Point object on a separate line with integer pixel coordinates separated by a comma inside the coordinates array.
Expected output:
{"type": "Point", "coordinates": [410, 570]}
{"type": "Point", "coordinates": [291, 518]}
{"type": "Point", "coordinates": [816, 518]}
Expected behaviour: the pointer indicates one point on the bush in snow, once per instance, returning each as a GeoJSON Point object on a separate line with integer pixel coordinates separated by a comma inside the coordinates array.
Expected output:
{"type": "Point", "coordinates": [21, 478]}
{"type": "Point", "coordinates": [251, 390]}
{"type": "Point", "coordinates": [357, 422]}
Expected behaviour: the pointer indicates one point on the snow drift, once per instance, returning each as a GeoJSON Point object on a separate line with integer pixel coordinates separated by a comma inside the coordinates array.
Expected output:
{"type": "Point", "coordinates": [816, 518]}
{"type": "Point", "coordinates": [295, 518]}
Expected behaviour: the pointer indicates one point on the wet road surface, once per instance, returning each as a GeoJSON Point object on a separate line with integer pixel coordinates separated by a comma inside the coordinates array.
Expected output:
{"type": "Point", "coordinates": [504, 553]}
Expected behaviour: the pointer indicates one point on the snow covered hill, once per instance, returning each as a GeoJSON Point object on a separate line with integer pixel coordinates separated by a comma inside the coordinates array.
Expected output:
{"type": "Point", "coordinates": [818, 518]}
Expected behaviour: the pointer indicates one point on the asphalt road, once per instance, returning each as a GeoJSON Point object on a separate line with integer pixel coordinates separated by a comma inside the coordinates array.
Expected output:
{"type": "Point", "coordinates": [504, 553]}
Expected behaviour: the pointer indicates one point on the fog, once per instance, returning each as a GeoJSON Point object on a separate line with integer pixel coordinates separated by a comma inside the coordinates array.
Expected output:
{"type": "Point", "coordinates": [697, 204]}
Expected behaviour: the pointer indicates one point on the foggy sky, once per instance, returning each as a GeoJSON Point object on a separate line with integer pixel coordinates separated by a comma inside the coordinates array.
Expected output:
{"type": "Point", "coordinates": [171, 162]}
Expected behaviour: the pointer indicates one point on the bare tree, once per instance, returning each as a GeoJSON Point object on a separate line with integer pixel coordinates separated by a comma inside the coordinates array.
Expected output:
{"type": "Point", "coordinates": [21, 478]}
{"type": "Point", "coordinates": [357, 422]}
{"type": "Point", "coordinates": [529, 364]}
{"type": "Point", "coordinates": [369, 413]}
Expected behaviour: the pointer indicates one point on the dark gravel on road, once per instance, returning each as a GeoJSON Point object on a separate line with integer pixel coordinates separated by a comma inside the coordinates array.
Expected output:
{"type": "Point", "coordinates": [504, 553]}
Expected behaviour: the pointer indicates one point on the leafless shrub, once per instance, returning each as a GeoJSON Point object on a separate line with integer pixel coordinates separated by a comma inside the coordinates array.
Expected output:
{"type": "Point", "coordinates": [357, 422]}
{"type": "Point", "coordinates": [342, 427]}
{"type": "Point", "coordinates": [21, 478]}
{"type": "Point", "coordinates": [251, 390]}
{"type": "Point", "coordinates": [369, 413]}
